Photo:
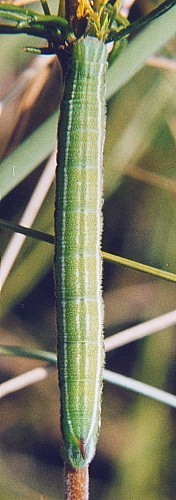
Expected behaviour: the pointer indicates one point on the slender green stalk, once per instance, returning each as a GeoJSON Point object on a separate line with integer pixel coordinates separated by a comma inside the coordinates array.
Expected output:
{"type": "Point", "coordinates": [49, 357]}
{"type": "Point", "coordinates": [138, 266]}
{"type": "Point", "coordinates": [114, 259]}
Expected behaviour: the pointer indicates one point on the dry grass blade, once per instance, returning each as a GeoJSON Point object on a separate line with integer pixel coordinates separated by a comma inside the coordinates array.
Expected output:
{"type": "Point", "coordinates": [140, 388]}
{"type": "Point", "coordinates": [140, 331]}
{"type": "Point", "coordinates": [28, 217]}
{"type": "Point", "coordinates": [24, 380]}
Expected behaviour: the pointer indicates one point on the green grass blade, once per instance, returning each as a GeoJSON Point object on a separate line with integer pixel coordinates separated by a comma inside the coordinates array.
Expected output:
{"type": "Point", "coordinates": [27, 352]}
{"type": "Point", "coordinates": [147, 43]}
{"type": "Point", "coordinates": [28, 155]}
{"type": "Point", "coordinates": [137, 266]}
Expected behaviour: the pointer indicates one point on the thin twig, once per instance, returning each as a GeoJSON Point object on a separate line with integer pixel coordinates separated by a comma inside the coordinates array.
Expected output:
{"type": "Point", "coordinates": [140, 388]}
{"type": "Point", "coordinates": [162, 9]}
{"type": "Point", "coordinates": [139, 331]}
{"type": "Point", "coordinates": [28, 218]}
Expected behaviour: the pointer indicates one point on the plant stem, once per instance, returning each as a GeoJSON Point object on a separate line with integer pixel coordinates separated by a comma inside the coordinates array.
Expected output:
{"type": "Point", "coordinates": [76, 484]}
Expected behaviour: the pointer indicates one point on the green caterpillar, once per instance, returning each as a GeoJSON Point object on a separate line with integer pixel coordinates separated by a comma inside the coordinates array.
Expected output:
{"type": "Point", "coordinates": [78, 230]}
{"type": "Point", "coordinates": [78, 266]}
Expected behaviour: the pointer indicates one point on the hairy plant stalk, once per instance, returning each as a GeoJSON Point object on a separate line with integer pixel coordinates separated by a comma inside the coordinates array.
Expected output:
{"type": "Point", "coordinates": [76, 484]}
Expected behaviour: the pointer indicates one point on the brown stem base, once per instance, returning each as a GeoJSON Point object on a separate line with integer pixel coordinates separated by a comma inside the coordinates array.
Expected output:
{"type": "Point", "coordinates": [76, 484]}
